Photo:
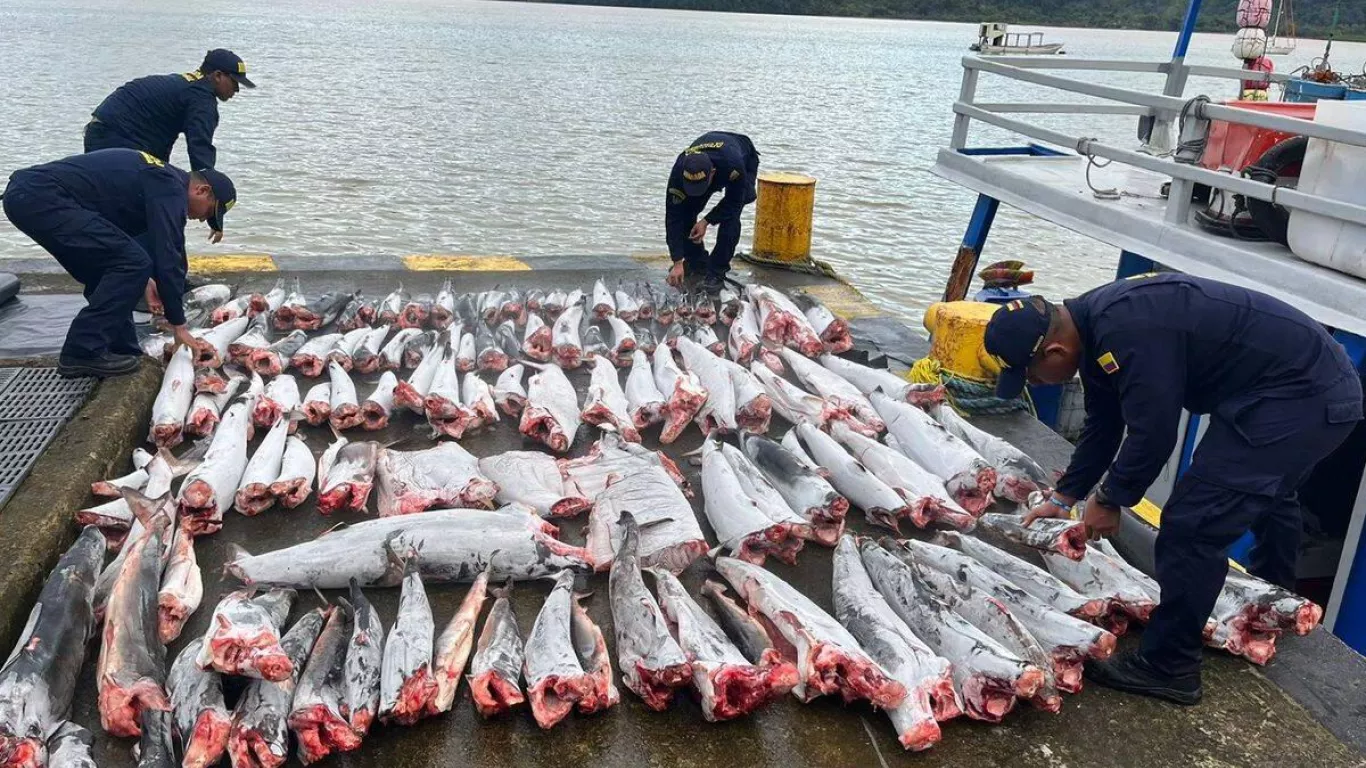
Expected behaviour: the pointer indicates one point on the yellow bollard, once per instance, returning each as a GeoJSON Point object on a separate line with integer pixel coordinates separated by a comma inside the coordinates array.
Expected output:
{"type": "Point", "coordinates": [956, 330]}
{"type": "Point", "coordinates": [782, 217]}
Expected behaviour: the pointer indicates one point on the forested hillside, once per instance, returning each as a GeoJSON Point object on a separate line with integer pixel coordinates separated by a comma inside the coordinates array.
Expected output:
{"type": "Point", "coordinates": [1315, 17]}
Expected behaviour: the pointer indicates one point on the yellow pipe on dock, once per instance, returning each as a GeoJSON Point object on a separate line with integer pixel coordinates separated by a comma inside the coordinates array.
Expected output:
{"type": "Point", "coordinates": [782, 217]}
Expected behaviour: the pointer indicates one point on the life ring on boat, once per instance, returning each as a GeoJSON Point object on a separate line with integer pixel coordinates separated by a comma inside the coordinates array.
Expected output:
{"type": "Point", "coordinates": [1282, 161]}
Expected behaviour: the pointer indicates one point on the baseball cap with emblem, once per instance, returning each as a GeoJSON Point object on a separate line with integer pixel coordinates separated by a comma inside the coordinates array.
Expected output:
{"type": "Point", "coordinates": [1013, 336]}
{"type": "Point", "coordinates": [223, 191]}
{"type": "Point", "coordinates": [697, 168]}
{"type": "Point", "coordinates": [227, 62]}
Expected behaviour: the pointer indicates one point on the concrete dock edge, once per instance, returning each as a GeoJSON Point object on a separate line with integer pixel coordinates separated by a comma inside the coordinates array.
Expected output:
{"type": "Point", "coordinates": [36, 524]}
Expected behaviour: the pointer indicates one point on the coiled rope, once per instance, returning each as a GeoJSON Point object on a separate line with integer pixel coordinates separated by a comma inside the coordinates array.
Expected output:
{"type": "Point", "coordinates": [811, 266]}
{"type": "Point", "coordinates": [966, 395]}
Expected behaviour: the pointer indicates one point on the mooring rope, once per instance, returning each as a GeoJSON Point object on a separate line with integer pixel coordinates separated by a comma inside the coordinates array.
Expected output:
{"type": "Point", "coordinates": [966, 395]}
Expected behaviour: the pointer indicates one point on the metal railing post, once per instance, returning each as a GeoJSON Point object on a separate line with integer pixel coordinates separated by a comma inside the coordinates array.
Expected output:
{"type": "Point", "coordinates": [1160, 140]}
{"type": "Point", "coordinates": [1179, 201]}
{"type": "Point", "coordinates": [960, 122]}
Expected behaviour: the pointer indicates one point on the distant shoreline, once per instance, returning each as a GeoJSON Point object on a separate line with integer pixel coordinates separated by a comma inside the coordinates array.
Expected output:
{"type": "Point", "coordinates": [1217, 16]}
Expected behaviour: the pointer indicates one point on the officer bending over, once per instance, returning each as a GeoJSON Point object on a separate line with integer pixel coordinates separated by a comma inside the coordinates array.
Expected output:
{"type": "Point", "coordinates": [94, 213]}
{"type": "Point", "coordinates": [150, 113]}
{"type": "Point", "coordinates": [716, 161]}
{"type": "Point", "coordinates": [1280, 394]}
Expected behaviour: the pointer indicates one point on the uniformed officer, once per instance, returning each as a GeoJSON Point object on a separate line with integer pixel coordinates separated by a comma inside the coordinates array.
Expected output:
{"type": "Point", "coordinates": [87, 211]}
{"type": "Point", "coordinates": [150, 113]}
{"type": "Point", "coordinates": [1280, 393]}
{"type": "Point", "coordinates": [716, 161]}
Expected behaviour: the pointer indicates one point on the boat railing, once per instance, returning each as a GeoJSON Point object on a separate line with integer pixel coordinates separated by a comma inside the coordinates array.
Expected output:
{"type": "Point", "coordinates": [1190, 115]}
{"type": "Point", "coordinates": [1023, 39]}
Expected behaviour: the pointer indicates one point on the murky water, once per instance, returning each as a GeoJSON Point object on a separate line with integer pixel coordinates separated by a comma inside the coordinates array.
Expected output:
{"type": "Point", "coordinates": [443, 126]}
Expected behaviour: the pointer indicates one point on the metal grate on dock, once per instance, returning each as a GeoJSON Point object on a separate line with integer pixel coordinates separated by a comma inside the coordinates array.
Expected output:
{"type": "Point", "coordinates": [34, 404]}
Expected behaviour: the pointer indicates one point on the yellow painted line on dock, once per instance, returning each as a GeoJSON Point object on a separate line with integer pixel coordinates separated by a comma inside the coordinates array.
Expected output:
{"type": "Point", "coordinates": [438, 263]}
{"type": "Point", "coordinates": [651, 257]}
{"type": "Point", "coordinates": [1152, 515]}
{"type": "Point", "coordinates": [1150, 512]}
{"type": "Point", "coordinates": [241, 262]}
{"type": "Point", "coordinates": [844, 300]}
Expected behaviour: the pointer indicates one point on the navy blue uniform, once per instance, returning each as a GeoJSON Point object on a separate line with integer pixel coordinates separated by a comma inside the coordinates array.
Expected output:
{"type": "Point", "coordinates": [150, 113]}
{"type": "Point", "coordinates": [737, 169]}
{"type": "Point", "coordinates": [1280, 393]}
{"type": "Point", "coordinates": [86, 211]}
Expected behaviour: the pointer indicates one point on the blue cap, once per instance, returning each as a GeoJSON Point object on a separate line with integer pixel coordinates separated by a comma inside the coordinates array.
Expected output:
{"type": "Point", "coordinates": [227, 62]}
{"type": "Point", "coordinates": [223, 191]}
{"type": "Point", "coordinates": [1013, 336]}
{"type": "Point", "coordinates": [697, 168]}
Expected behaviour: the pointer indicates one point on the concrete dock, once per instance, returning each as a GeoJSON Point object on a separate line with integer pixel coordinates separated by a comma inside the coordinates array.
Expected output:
{"type": "Point", "coordinates": [1307, 708]}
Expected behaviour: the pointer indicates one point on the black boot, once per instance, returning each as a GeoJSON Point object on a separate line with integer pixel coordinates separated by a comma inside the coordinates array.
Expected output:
{"type": "Point", "coordinates": [1128, 672]}
{"type": "Point", "coordinates": [102, 367]}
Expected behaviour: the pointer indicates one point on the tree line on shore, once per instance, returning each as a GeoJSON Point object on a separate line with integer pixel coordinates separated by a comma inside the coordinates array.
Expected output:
{"type": "Point", "coordinates": [1314, 17]}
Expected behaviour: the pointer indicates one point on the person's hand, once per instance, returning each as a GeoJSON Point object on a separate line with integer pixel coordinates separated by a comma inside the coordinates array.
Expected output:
{"type": "Point", "coordinates": [216, 236]}
{"type": "Point", "coordinates": [699, 231]}
{"type": "Point", "coordinates": [1101, 520]}
{"type": "Point", "coordinates": [183, 336]}
{"type": "Point", "coordinates": [154, 304]}
{"type": "Point", "coordinates": [1047, 508]}
{"type": "Point", "coordinates": [675, 277]}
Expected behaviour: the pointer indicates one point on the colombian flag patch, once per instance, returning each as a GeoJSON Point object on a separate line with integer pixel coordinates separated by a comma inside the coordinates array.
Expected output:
{"type": "Point", "coordinates": [1108, 363]}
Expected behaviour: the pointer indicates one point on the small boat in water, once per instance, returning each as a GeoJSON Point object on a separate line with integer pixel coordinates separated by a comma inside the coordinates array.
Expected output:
{"type": "Point", "coordinates": [994, 38]}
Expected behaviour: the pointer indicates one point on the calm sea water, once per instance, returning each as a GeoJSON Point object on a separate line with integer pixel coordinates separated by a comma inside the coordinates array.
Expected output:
{"type": "Point", "coordinates": [449, 126]}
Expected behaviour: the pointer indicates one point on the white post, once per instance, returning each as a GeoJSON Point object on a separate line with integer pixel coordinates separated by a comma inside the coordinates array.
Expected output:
{"type": "Point", "coordinates": [960, 122]}
{"type": "Point", "coordinates": [1350, 552]}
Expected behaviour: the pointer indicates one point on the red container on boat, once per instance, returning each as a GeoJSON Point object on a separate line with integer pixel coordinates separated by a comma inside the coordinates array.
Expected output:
{"type": "Point", "coordinates": [1234, 146]}
{"type": "Point", "coordinates": [1260, 64]}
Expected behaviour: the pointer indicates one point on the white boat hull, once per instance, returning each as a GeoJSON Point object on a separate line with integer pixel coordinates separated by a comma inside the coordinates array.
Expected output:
{"type": "Point", "coordinates": [1018, 50]}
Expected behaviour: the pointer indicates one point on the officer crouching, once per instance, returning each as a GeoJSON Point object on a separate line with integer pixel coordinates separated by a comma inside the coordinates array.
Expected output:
{"type": "Point", "coordinates": [94, 213]}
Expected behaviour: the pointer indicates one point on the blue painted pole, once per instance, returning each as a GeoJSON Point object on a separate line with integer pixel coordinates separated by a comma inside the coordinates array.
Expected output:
{"type": "Point", "coordinates": [1188, 444]}
{"type": "Point", "coordinates": [1183, 40]}
{"type": "Point", "coordinates": [979, 227]}
{"type": "Point", "coordinates": [974, 240]}
{"type": "Point", "coordinates": [1347, 608]}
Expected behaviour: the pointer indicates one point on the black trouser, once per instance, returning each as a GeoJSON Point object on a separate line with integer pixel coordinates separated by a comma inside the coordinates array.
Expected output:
{"type": "Point", "coordinates": [100, 136]}
{"type": "Point", "coordinates": [1244, 476]}
{"type": "Point", "coordinates": [697, 261]}
{"type": "Point", "coordinates": [104, 259]}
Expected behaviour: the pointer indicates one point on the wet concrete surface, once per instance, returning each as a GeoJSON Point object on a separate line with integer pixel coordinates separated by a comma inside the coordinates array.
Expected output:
{"type": "Point", "coordinates": [1245, 720]}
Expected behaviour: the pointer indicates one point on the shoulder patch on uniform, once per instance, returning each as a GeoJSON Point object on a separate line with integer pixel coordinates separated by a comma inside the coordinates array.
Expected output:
{"type": "Point", "coordinates": [677, 195]}
{"type": "Point", "coordinates": [698, 148]}
{"type": "Point", "coordinates": [1014, 305]}
{"type": "Point", "coordinates": [152, 159]}
{"type": "Point", "coordinates": [1108, 363]}
{"type": "Point", "coordinates": [1142, 275]}
{"type": "Point", "coordinates": [734, 175]}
